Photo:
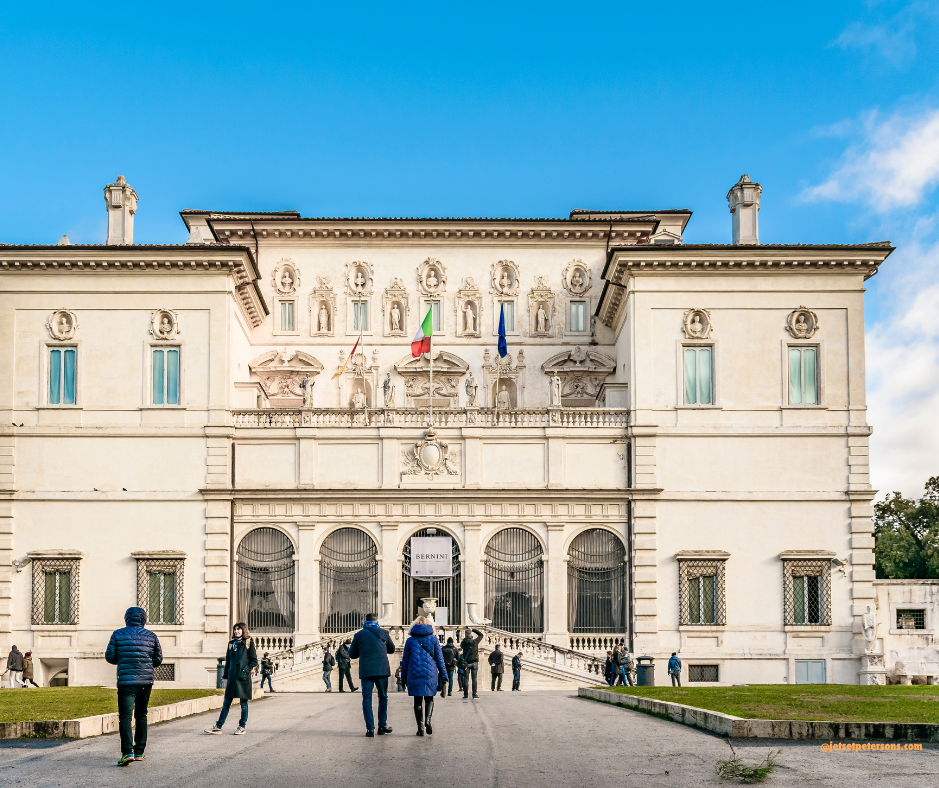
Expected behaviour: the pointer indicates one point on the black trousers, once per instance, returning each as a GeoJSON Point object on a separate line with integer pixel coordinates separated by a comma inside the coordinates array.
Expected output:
{"type": "Point", "coordinates": [132, 700]}
{"type": "Point", "coordinates": [472, 668]}
{"type": "Point", "coordinates": [495, 677]}
{"type": "Point", "coordinates": [346, 670]}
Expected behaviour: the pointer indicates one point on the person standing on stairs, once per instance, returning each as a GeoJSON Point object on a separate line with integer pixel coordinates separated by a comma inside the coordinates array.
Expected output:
{"type": "Point", "coordinates": [421, 664]}
{"type": "Point", "coordinates": [497, 666]}
{"type": "Point", "coordinates": [470, 648]}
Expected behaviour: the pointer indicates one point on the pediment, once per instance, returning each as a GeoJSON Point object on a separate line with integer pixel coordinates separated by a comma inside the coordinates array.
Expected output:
{"type": "Point", "coordinates": [578, 361]}
{"type": "Point", "coordinates": [285, 360]}
{"type": "Point", "coordinates": [444, 363]}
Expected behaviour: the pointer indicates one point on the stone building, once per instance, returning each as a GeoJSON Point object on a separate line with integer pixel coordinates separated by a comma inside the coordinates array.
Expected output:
{"type": "Point", "coordinates": [673, 454]}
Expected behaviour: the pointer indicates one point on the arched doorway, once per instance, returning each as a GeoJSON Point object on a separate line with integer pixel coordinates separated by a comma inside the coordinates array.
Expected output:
{"type": "Point", "coordinates": [515, 581]}
{"type": "Point", "coordinates": [265, 581]}
{"type": "Point", "coordinates": [447, 590]}
{"type": "Point", "coordinates": [596, 583]}
{"type": "Point", "coordinates": [348, 580]}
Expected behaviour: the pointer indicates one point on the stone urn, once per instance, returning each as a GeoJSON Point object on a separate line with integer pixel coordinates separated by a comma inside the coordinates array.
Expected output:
{"type": "Point", "coordinates": [428, 606]}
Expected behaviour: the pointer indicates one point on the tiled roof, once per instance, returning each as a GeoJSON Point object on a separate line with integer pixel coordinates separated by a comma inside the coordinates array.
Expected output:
{"type": "Point", "coordinates": [126, 247]}
{"type": "Point", "coordinates": [233, 215]}
{"type": "Point", "coordinates": [750, 247]}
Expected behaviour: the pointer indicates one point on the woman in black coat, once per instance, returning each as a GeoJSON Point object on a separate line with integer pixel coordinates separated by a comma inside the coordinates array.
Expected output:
{"type": "Point", "coordinates": [241, 658]}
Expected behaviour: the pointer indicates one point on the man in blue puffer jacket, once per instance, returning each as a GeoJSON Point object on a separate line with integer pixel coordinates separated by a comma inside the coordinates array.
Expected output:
{"type": "Point", "coordinates": [136, 652]}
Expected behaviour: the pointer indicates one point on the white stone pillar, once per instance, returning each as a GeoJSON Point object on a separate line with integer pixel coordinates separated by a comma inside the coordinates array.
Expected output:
{"type": "Point", "coordinates": [556, 588]}
{"type": "Point", "coordinates": [390, 571]}
{"type": "Point", "coordinates": [472, 569]}
{"type": "Point", "coordinates": [307, 587]}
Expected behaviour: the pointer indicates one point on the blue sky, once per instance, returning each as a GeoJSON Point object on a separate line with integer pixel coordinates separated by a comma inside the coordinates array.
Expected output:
{"type": "Point", "coordinates": [511, 109]}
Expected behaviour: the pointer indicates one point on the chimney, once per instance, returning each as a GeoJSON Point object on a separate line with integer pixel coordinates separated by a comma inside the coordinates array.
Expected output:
{"type": "Point", "coordinates": [122, 205]}
{"type": "Point", "coordinates": [744, 199]}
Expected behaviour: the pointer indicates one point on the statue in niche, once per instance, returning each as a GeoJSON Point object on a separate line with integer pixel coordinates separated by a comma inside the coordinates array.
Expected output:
{"type": "Point", "coordinates": [359, 399]}
{"type": "Point", "coordinates": [506, 281]}
{"type": "Point", "coordinates": [323, 319]}
{"type": "Point", "coordinates": [869, 625]}
{"type": "Point", "coordinates": [554, 391]}
{"type": "Point", "coordinates": [286, 281]}
{"type": "Point", "coordinates": [359, 281]}
{"type": "Point", "coordinates": [802, 328]}
{"type": "Point", "coordinates": [577, 280]}
{"type": "Point", "coordinates": [502, 398]}
{"type": "Point", "coordinates": [395, 317]}
{"type": "Point", "coordinates": [388, 389]}
{"type": "Point", "coordinates": [166, 326]}
{"type": "Point", "coordinates": [542, 318]}
{"type": "Point", "coordinates": [696, 326]}
{"type": "Point", "coordinates": [469, 319]}
{"type": "Point", "coordinates": [65, 325]}
{"type": "Point", "coordinates": [432, 281]}
{"type": "Point", "coordinates": [306, 385]}
{"type": "Point", "coordinates": [471, 389]}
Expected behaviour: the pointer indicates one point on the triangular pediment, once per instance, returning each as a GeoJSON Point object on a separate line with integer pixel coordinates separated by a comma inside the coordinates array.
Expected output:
{"type": "Point", "coordinates": [445, 363]}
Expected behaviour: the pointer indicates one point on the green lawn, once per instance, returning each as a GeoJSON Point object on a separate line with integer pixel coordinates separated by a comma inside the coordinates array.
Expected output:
{"type": "Point", "coordinates": [837, 702]}
{"type": "Point", "coordinates": [69, 703]}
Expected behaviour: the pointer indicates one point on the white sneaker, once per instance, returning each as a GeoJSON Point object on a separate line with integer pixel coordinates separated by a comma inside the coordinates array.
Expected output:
{"type": "Point", "coordinates": [213, 729]}
{"type": "Point", "coordinates": [239, 731]}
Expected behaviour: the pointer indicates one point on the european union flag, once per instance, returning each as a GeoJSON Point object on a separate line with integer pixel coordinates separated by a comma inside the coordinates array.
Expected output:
{"type": "Point", "coordinates": [503, 348]}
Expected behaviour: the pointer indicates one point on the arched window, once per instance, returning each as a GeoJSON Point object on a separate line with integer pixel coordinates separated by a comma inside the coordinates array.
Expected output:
{"type": "Point", "coordinates": [515, 581]}
{"type": "Point", "coordinates": [596, 583]}
{"type": "Point", "coordinates": [265, 581]}
{"type": "Point", "coordinates": [446, 590]}
{"type": "Point", "coordinates": [348, 580]}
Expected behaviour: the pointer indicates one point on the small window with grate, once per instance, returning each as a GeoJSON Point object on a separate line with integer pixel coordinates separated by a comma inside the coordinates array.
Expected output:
{"type": "Point", "coordinates": [807, 592]}
{"type": "Point", "coordinates": [55, 591]}
{"type": "Point", "coordinates": [911, 619]}
{"type": "Point", "coordinates": [701, 592]}
{"type": "Point", "coordinates": [165, 672]}
{"type": "Point", "coordinates": [703, 673]}
{"type": "Point", "coordinates": [160, 588]}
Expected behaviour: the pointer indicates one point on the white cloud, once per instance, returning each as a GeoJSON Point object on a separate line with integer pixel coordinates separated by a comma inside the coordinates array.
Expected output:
{"type": "Point", "coordinates": [894, 165]}
{"type": "Point", "coordinates": [892, 41]}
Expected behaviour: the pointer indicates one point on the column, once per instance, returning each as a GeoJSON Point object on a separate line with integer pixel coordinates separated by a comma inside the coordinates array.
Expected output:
{"type": "Point", "coordinates": [307, 589]}
{"type": "Point", "coordinates": [390, 571]}
{"type": "Point", "coordinates": [472, 570]}
{"type": "Point", "coordinates": [556, 591]}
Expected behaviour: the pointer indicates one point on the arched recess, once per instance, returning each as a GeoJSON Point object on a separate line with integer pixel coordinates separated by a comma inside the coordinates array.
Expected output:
{"type": "Point", "coordinates": [596, 583]}
{"type": "Point", "coordinates": [265, 581]}
{"type": "Point", "coordinates": [349, 580]}
{"type": "Point", "coordinates": [448, 591]}
{"type": "Point", "coordinates": [514, 590]}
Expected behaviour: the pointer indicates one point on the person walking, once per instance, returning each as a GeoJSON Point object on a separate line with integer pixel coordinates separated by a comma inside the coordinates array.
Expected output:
{"type": "Point", "coordinates": [674, 669]}
{"type": "Point", "coordinates": [345, 665]}
{"type": "Point", "coordinates": [470, 646]}
{"type": "Point", "coordinates": [15, 667]}
{"type": "Point", "coordinates": [28, 670]}
{"type": "Point", "coordinates": [371, 647]}
{"type": "Point", "coordinates": [495, 664]}
{"type": "Point", "coordinates": [421, 664]}
{"type": "Point", "coordinates": [136, 652]}
{"type": "Point", "coordinates": [461, 670]}
{"type": "Point", "coordinates": [267, 670]}
{"type": "Point", "coordinates": [449, 659]}
{"type": "Point", "coordinates": [608, 669]}
{"type": "Point", "coordinates": [328, 664]}
{"type": "Point", "coordinates": [398, 680]}
{"type": "Point", "coordinates": [241, 658]}
{"type": "Point", "coordinates": [517, 672]}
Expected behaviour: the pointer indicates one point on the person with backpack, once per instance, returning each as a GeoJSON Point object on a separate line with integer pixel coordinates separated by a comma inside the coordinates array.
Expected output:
{"type": "Point", "coordinates": [241, 659]}
{"type": "Point", "coordinates": [345, 666]}
{"type": "Point", "coordinates": [625, 666]}
{"type": "Point", "coordinates": [449, 659]}
{"type": "Point", "coordinates": [674, 669]}
{"type": "Point", "coordinates": [421, 664]}
{"type": "Point", "coordinates": [267, 670]}
{"type": "Point", "coordinates": [328, 663]}
{"type": "Point", "coordinates": [371, 647]}
{"type": "Point", "coordinates": [470, 646]}
{"type": "Point", "coordinates": [136, 652]}
{"type": "Point", "coordinates": [517, 672]}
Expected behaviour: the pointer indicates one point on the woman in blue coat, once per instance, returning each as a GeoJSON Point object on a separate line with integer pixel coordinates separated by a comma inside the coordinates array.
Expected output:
{"type": "Point", "coordinates": [421, 663]}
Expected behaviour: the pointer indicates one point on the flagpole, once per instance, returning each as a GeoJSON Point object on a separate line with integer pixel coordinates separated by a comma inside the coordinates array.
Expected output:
{"type": "Point", "coordinates": [431, 355]}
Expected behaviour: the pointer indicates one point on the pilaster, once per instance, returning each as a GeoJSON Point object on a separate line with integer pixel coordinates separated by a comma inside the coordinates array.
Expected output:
{"type": "Point", "coordinates": [306, 438]}
{"type": "Point", "coordinates": [307, 592]}
{"type": "Point", "coordinates": [645, 577]}
{"type": "Point", "coordinates": [472, 567]}
{"type": "Point", "coordinates": [218, 568]}
{"type": "Point", "coordinates": [556, 593]}
{"type": "Point", "coordinates": [390, 570]}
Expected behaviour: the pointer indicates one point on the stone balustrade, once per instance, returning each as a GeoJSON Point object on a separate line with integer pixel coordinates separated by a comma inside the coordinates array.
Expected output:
{"type": "Point", "coordinates": [419, 417]}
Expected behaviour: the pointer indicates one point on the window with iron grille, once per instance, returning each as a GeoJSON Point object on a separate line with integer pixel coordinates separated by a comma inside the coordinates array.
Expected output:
{"type": "Point", "coordinates": [703, 673]}
{"type": "Point", "coordinates": [160, 589]}
{"type": "Point", "coordinates": [55, 590]}
{"type": "Point", "coordinates": [701, 592]}
{"type": "Point", "coordinates": [165, 672]}
{"type": "Point", "coordinates": [807, 592]}
{"type": "Point", "coordinates": [911, 619]}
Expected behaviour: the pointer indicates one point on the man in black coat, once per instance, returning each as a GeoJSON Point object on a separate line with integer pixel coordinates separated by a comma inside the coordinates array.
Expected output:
{"type": "Point", "coordinates": [470, 648]}
{"type": "Point", "coordinates": [345, 665]}
{"type": "Point", "coordinates": [371, 647]}
{"type": "Point", "coordinates": [517, 672]}
{"type": "Point", "coordinates": [495, 663]}
{"type": "Point", "coordinates": [449, 659]}
{"type": "Point", "coordinates": [136, 652]}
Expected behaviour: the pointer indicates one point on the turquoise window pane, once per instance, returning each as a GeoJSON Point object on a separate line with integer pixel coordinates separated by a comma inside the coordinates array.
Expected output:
{"type": "Point", "coordinates": [360, 316]}
{"type": "Point", "coordinates": [172, 377]}
{"type": "Point", "coordinates": [708, 588]}
{"type": "Point", "coordinates": [158, 377]}
{"type": "Point", "coordinates": [55, 376]}
{"type": "Point", "coordinates": [704, 375]}
{"type": "Point", "coordinates": [438, 317]}
{"type": "Point", "coordinates": [795, 376]}
{"type": "Point", "coordinates": [68, 397]}
{"type": "Point", "coordinates": [809, 370]}
{"type": "Point", "coordinates": [578, 316]}
{"type": "Point", "coordinates": [691, 384]}
{"type": "Point", "coordinates": [694, 601]}
{"type": "Point", "coordinates": [798, 600]}
{"type": "Point", "coordinates": [509, 315]}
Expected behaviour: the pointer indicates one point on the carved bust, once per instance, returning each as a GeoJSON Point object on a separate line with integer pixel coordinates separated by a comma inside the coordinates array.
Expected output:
{"type": "Point", "coordinates": [802, 323]}
{"type": "Point", "coordinates": [164, 324]}
{"type": "Point", "coordinates": [505, 281]}
{"type": "Point", "coordinates": [696, 323]}
{"type": "Point", "coordinates": [432, 280]}
{"type": "Point", "coordinates": [360, 281]}
{"type": "Point", "coordinates": [62, 324]}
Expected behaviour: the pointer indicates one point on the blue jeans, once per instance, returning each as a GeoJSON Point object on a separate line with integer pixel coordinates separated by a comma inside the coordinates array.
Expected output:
{"type": "Point", "coordinates": [226, 705]}
{"type": "Point", "coordinates": [381, 684]}
{"type": "Point", "coordinates": [624, 676]}
{"type": "Point", "coordinates": [326, 680]}
{"type": "Point", "coordinates": [516, 679]}
{"type": "Point", "coordinates": [266, 676]}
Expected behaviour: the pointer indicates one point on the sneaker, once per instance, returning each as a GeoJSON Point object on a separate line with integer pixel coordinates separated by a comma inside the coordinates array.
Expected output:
{"type": "Point", "coordinates": [239, 731]}
{"type": "Point", "coordinates": [382, 730]}
{"type": "Point", "coordinates": [126, 760]}
{"type": "Point", "coordinates": [138, 757]}
{"type": "Point", "coordinates": [370, 733]}
{"type": "Point", "coordinates": [475, 697]}
{"type": "Point", "coordinates": [213, 729]}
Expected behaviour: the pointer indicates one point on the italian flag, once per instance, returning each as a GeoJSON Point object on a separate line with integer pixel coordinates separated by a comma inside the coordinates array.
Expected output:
{"type": "Point", "coordinates": [421, 342]}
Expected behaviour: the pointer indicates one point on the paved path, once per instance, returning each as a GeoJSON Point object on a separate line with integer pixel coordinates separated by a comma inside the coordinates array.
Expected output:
{"type": "Point", "coordinates": [511, 740]}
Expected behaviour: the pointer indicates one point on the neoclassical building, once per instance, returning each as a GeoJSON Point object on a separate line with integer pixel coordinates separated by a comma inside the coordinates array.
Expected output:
{"type": "Point", "coordinates": [673, 453]}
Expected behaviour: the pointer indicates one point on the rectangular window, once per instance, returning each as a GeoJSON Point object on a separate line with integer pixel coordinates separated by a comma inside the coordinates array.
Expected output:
{"type": "Point", "coordinates": [161, 597]}
{"type": "Point", "coordinates": [911, 619]}
{"type": "Point", "coordinates": [803, 376]}
{"type": "Point", "coordinates": [702, 594]}
{"type": "Point", "coordinates": [509, 311]}
{"type": "Point", "coordinates": [165, 376]}
{"type": "Point", "coordinates": [288, 320]}
{"type": "Point", "coordinates": [806, 599]}
{"type": "Point", "coordinates": [165, 672]}
{"type": "Point", "coordinates": [437, 316]}
{"type": "Point", "coordinates": [62, 363]}
{"type": "Point", "coordinates": [57, 600]}
{"type": "Point", "coordinates": [360, 316]}
{"type": "Point", "coordinates": [698, 389]}
{"type": "Point", "coordinates": [703, 673]}
{"type": "Point", "coordinates": [578, 316]}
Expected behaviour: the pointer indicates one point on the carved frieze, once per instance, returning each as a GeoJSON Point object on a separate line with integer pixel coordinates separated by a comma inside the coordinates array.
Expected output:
{"type": "Point", "coordinates": [164, 324]}
{"type": "Point", "coordinates": [323, 309]}
{"type": "Point", "coordinates": [448, 369]}
{"type": "Point", "coordinates": [582, 372]}
{"type": "Point", "coordinates": [285, 375]}
{"type": "Point", "coordinates": [542, 309]}
{"type": "Point", "coordinates": [431, 277]}
{"type": "Point", "coordinates": [696, 323]}
{"type": "Point", "coordinates": [62, 324]}
{"type": "Point", "coordinates": [285, 278]}
{"type": "Point", "coordinates": [359, 278]}
{"type": "Point", "coordinates": [576, 278]}
{"type": "Point", "coordinates": [394, 308]}
{"type": "Point", "coordinates": [802, 323]}
{"type": "Point", "coordinates": [469, 309]}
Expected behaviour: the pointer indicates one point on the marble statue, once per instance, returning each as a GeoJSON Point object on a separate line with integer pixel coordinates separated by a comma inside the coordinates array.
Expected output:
{"type": "Point", "coordinates": [506, 281]}
{"type": "Point", "coordinates": [502, 399]}
{"type": "Point", "coordinates": [388, 389]}
{"type": "Point", "coordinates": [542, 318]}
{"type": "Point", "coordinates": [286, 281]}
{"type": "Point", "coordinates": [471, 389]}
{"type": "Point", "coordinates": [306, 385]}
{"type": "Point", "coordinates": [431, 279]}
{"type": "Point", "coordinates": [802, 327]}
{"type": "Point", "coordinates": [555, 391]}
{"type": "Point", "coordinates": [65, 326]}
{"type": "Point", "coordinates": [360, 281]}
{"type": "Point", "coordinates": [469, 324]}
{"type": "Point", "coordinates": [696, 327]}
{"type": "Point", "coordinates": [358, 399]}
{"type": "Point", "coordinates": [577, 280]}
{"type": "Point", "coordinates": [323, 319]}
{"type": "Point", "coordinates": [166, 327]}
{"type": "Point", "coordinates": [395, 318]}
{"type": "Point", "coordinates": [869, 626]}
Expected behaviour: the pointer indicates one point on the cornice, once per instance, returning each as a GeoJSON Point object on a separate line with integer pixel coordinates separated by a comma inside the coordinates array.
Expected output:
{"type": "Point", "coordinates": [377, 494]}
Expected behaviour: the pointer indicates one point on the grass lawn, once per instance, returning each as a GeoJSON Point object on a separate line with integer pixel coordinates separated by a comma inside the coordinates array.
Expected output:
{"type": "Point", "coordinates": [69, 703]}
{"type": "Point", "coordinates": [837, 702]}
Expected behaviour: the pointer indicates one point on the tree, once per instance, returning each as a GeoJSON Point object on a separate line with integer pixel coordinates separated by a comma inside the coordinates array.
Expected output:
{"type": "Point", "coordinates": [906, 535]}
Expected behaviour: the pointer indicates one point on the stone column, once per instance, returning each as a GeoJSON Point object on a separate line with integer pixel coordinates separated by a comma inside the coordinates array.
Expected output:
{"type": "Point", "coordinates": [556, 588]}
{"type": "Point", "coordinates": [472, 569]}
{"type": "Point", "coordinates": [390, 570]}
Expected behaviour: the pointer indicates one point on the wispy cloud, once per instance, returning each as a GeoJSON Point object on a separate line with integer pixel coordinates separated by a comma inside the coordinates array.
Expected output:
{"type": "Point", "coordinates": [893, 39]}
{"type": "Point", "coordinates": [895, 163]}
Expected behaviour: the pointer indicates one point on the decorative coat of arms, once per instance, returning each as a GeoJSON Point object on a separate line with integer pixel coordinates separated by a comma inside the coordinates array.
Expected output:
{"type": "Point", "coordinates": [431, 457]}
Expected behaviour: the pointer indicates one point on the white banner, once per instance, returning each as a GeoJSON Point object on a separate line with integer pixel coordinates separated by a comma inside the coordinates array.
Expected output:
{"type": "Point", "coordinates": [431, 556]}
{"type": "Point", "coordinates": [442, 617]}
